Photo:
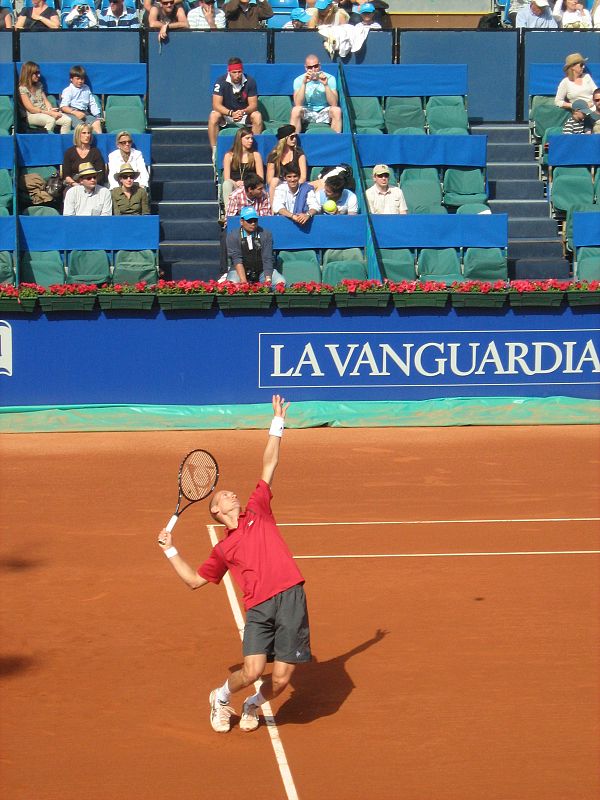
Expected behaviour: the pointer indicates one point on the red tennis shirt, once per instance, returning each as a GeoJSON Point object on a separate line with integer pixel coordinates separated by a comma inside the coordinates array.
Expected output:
{"type": "Point", "coordinates": [255, 553]}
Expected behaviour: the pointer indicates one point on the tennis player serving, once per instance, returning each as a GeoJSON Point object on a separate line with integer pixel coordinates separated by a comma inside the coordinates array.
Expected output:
{"type": "Point", "coordinates": [260, 562]}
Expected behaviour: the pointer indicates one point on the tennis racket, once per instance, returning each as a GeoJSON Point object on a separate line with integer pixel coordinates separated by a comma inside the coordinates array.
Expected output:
{"type": "Point", "coordinates": [198, 476]}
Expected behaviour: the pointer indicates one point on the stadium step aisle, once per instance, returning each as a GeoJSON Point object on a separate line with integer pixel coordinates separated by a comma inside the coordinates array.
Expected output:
{"type": "Point", "coordinates": [534, 243]}
{"type": "Point", "coordinates": [184, 196]}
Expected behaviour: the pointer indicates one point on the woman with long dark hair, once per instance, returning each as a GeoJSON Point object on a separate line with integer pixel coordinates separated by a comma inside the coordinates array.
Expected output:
{"type": "Point", "coordinates": [286, 151]}
{"type": "Point", "coordinates": [241, 160]}
{"type": "Point", "coordinates": [34, 106]}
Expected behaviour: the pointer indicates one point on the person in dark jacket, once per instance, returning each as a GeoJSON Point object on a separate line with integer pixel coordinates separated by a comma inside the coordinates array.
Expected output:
{"type": "Point", "coordinates": [247, 15]}
{"type": "Point", "coordinates": [250, 251]}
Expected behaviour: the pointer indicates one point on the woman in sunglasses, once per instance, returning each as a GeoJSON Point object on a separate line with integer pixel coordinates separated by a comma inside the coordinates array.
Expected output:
{"type": "Point", "coordinates": [286, 151]}
{"type": "Point", "coordinates": [126, 153]}
{"type": "Point", "coordinates": [34, 106]}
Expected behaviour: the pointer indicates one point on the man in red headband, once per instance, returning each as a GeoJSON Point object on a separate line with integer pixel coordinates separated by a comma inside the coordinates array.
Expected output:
{"type": "Point", "coordinates": [234, 102]}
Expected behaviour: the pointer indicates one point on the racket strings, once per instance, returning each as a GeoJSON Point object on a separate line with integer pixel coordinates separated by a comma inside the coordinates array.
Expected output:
{"type": "Point", "coordinates": [198, 475]}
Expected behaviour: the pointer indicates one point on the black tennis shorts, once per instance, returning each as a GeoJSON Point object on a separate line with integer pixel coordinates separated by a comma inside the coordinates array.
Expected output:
{"type": "Point", "coordinates": [278, 628]}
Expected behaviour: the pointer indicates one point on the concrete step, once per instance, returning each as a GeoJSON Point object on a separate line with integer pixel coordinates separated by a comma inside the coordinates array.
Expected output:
{"type": "Point", "coordinates": [184, 191]}
{"type": "Point", "coordinates": [498, 170]}
{"type": "Point", "coordinates": [526, 227]}
{"type": "Point", "coordinates": [196, 230]}
{"type": "Point", "coordinates": [539, 269]}
{"type": "Point", "coordinates": [521, 208]}
{"type": "Point", "coordinates": [503, 134]}
{"type": "Point", "coordinates": [516, 190]}
{"type": "Point", "coordinates": [182, 172]}
{"type": "Point", "coordinates": [207, 252]}
{"type": "Point", "coordinates": [511, 152]}
{"type": "Point", "coordinates": [179, 134]}
{"type": "Point", "coordinates": [533, 248]}
{"type": "Point", "coordinates": [186, 153]}
{"type": "Point", "coordinates": [190, 210]}
{"type": "Point", "coordinates": [194, 270]}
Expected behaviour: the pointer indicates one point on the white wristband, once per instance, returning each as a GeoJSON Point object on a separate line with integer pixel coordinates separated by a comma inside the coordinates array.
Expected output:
{"type": "Point", "coordinates": [170, 552]}
{"type": "Point", "coordinates": [276, 428]}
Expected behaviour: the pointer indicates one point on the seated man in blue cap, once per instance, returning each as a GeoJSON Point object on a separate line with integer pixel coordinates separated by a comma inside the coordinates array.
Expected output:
{"type": "Point", "coordinates": [250, 252]}
{"type": "Point", "coordinates": [298, 21]}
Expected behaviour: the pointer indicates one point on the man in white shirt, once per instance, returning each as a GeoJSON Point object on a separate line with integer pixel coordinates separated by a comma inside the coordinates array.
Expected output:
{"type": "Point", "coordinates": [536, 15]}
{"type": "Point", "coordinates": [293, 200]}
{"type": "Point", "coordinates": [206, 16]}
{"type": "Point", "coordinates": [383, 198]}
{"type": "Point", "coordinates": [86, 198]}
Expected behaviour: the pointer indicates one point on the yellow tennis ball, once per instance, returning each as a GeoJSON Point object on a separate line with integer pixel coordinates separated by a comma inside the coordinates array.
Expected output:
{"type": "Point", "coordinates": [330, 206]}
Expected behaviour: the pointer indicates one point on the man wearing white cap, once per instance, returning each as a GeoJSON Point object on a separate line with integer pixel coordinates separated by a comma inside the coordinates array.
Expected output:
{"type": "Point", "coordinates": [536, 15]}
{"type": "Point", "coordinates": [383, 198]}
{"type": "Point", "coordinates": [86, 198]}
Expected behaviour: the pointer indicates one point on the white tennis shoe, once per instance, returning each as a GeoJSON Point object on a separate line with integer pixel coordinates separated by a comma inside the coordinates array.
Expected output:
{"type": "Point", "coordinates": [220, 715]}
{"type": "Point", "coordinates": [249, 718]}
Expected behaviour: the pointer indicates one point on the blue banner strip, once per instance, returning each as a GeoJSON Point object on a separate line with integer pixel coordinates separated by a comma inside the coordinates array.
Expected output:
{"type": "Point", "coordinates": [101, 78]}
{"type": "Point", "coordinates": [7, 152]}
{"type": "Point", "coordinates": [8, 233]}
{"type": "Point", "coordinates": [544, 78]}
{"type": "Point", "coordinates": [586, 228]}
{"type": "Point", "coordinates": [89, 233]}
{"type": "Point", "coordinates": [406, 80]}
{"type": "Point", "coordinates": [271, 79]}
{"type": "Point", "coordinates": [7, 79]}
{"type": "Point", "coordinates": [452, 230]}
{"type": "Point", "coordinates": [321, 150]}
{"type": "Point", "coordinates": [39, 149]}
{"type": "Point", "coordinates": [322, 232]}
{"type": "Point", "coordinates": [458, 151]}
{"type": "Point", "coordinates": [562, 153]}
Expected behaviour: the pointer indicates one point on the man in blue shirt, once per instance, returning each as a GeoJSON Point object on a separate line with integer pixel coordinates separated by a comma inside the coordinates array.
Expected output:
{"type": "Point", "coordinates": [536, 15]}
{"type": "Point", "coordinates": [315, 97]}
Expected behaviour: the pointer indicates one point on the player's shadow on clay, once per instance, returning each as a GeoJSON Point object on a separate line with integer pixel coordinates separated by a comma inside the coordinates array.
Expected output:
{"type": "Point", "coordinates": [320, 688]}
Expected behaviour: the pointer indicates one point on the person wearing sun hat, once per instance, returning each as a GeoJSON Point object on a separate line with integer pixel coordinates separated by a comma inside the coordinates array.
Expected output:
{"type": "Point", "coordinates": [86, 198]}
{"type": "Point", "coordinates": [129, 197]}
{"type": "Point", "coordinates": [298, 20]}
{"type": "Point", "coordinates": [535, 15]}
{"type": "Point", "coordinates": [577, 84]}
{"type": "Point", "coordinates": [250, 252]}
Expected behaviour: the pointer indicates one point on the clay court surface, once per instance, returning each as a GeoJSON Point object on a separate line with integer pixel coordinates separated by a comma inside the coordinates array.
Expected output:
{"type": "Point", "coordinates": [452, 577]}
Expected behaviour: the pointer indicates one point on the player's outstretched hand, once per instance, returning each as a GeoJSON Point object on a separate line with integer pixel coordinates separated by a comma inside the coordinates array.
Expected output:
{"type": "Point", "coordinates": [279, 405]}
{"type": "Point", "coordinates": [165, 539]}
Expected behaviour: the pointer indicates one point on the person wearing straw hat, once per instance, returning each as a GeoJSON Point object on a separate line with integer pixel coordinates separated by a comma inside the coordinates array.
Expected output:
{"type": "Point", "coordinates": [578, 84]}
{"type": "Point", "coordinates": [86, 198]}
{"type": "Point", "coordinates": [129, 197]}
{"type": "Point", "coordinates": [535, 15]}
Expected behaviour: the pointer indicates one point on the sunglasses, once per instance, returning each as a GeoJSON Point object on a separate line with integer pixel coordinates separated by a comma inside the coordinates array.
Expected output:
{"type": "Point", "coordinates": [383, 175]}
{"type": "Point", "coordinates": [313, 66]}
{"type": "Point", "coordinates": [125, 141]}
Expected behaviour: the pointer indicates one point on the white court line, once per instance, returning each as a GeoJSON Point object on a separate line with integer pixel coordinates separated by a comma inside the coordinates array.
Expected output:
{"type": "Point", "coordinates": [459, 555]}
{"type": "Point", "coordinates": [277, 744]}
{"type": "Point", "coordinates": [440, 521]}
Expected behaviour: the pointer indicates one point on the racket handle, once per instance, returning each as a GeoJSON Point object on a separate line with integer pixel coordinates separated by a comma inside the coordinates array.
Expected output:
{"type": "Point", "coordinates": [171, 523]}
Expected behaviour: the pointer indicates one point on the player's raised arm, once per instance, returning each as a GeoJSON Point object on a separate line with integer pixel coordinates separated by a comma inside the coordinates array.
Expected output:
{"type": "Point", "coordinates": [187, 574]}
{"type": "Point", "coordinates": [271, 456]}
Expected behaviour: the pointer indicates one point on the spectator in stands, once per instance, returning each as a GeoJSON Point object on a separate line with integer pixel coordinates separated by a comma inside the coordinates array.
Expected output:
{"type": "Point", "coordinates": [383, 198]}
{"type": "Point", "coordinates": [250, 251]}
{"type": "Point", "coordinates": [334, 198]}
{"type": "Point", "coordinates": [38, 17]}
{"type": "Point", "coordinates": [295, 200]}
{"type": "Point", "coordinates": [206, 16]}
{"type": "Point", "coordinates": [129, 197]}
{"type": "Point", "coordinates": [571, 14]}
{"type": "Point", "coordinates": [78, 102]}
{"type": "Point", "coordinates": [6, 19]}
{"type": "Point", "coordinates": [34, 106]}
{"type": "Point", "coordinates": [165, 17]}
{"type": "Point", "coordinates": [242, 159]}
{"type": "Point", "coordinates": [380, 14]}
{"type": "Point", "coordinates": [79, 17]}
{"type": "Point", "coordinates": [86, 198]}
{"type": "Point", "coordinates": [536, 15]}
{"type": "Point", "coordinates": [596, 102]}
{"type": "Point", "coordinates": [251, 194]}
{"type": "Point", "coordinates": [595, 14]}
{"type": "Point", "coordinates": [299, 20]}
{"type": "Point", "coordinates": [82, 150]}
{"type": "Point", "coordinates": [315, 97]}
{"type": "Point", "coordinates": [117, 15]}
{"type": "Point", "coordinates": [247, 15]}
{"type": "Point", "coordinates": [577, 85]}
{"type": "Point", "coordinates": [326, 12]}
{"type": "Point", "coordinates": [364, 19]}
{"type": "Point", "coordinates": [580, 120]}
{"type": "Point", "coordinates": [126, 153]}
{"type": "Point", "coordinates": [234, 102]}
{"type": "Point", "coordinates": [286, 152]}
{"type": "Point", "coordinates": [514, 7]}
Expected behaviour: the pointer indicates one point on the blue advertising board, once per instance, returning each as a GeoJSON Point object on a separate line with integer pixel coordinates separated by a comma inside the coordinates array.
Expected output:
{"type": "Point", "coordinates": [224, 357]}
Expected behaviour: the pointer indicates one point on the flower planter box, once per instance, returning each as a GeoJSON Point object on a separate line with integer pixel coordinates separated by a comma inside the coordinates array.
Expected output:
{"type": "Point", "coordinates": [528, 299]}
{"type": "Point", "coordinates": [83, 302]}
{"type": "Point", "coordinates": [303, 300]}
{"type": "Point", "coordinates": [361, 299]}
{"type": "Point", "coordinates": [120, 302]}
{"type": "Point", "coordinates": [576, 298]}
{"type": "Point", "coordinates": [185, 302]}
{"type": "Point", "coordinates": [244, 302]}
{"type": "Point", "coordinates": [478, 299]}
{"type": "Point", "coordinates": [12, 304]}
{"type": "Point", "coordinates": [420, 299]}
